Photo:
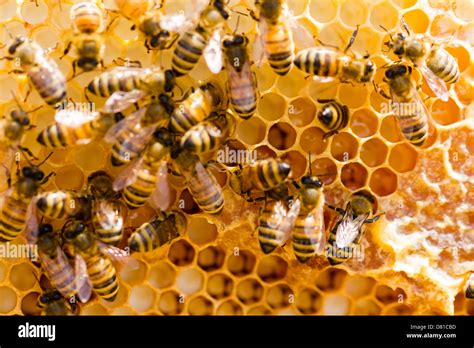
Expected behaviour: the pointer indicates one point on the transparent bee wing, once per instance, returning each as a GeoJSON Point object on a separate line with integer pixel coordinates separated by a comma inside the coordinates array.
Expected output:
{"type": "Point", "coordinates": [118, 255]}
{"type": "Point", "coordinates": [162, 195]}
{"type": "Point", "coordinates": [31, 229]}
{"type": "Point", "coordinates": [291, 218]}
{"type": "Point", "coordinates": [74, 118]}
{"type": "Point", "coordinates": [83, 284]}
{"type": "Point", "coordinates": [437, 85]}
{"type": "Point", "coordinates": [128, 175]}
{"type": "Point", "coordinates": [117, 128]}
{"type": "Point", "coordinates": [349, 229]}
{"type": "Point", "coordinates": [213, 53]}
{"type": "Point", "coordinates": [56, 268]}
{"type": "Point", "coordinates": [140, 140]}
{"type": "Point", "coordinates": [258, 52]}
{"type": "Point", "coordinates": [120, 100]}
{"type": "Point", "coordinates": [4, 195]}
{"type": "Point", "coordinates": [302, 38]}
{"type": "Point", "coordinates": [108, 213]}
{"type": "Point", "coordinates": [322, 79]}
{"type": "Point", "coordinates": [315, 219]}
{"type": "Point", "coordinates": [177, 22]}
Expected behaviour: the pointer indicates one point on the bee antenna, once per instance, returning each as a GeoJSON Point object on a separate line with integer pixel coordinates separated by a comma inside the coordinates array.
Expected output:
{"type": "Point", "coordinates": [386, 30]}
{"type": "Point", "coordinates": [8, 31]}
{"type": "Point", "coordinates": [17, 101]}
{"type": "Point", "coordinates": [25, 156]}
{"type": "Point", "coordinates": [237, 25]}
{"type": "Point", "coordinates": [309, 160]}
{"type": "Point", "coordinates": [45, 159]}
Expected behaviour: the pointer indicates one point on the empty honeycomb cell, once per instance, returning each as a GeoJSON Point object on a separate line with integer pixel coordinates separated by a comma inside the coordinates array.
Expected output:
{"type": "Point", "coordinates": [297, 7]}
{"type": "Point", "coordinates": [241, 23]}
{"type": "Point", "coordinates": [29, 304]}
{"type": "Point", "coordinates": [465, 33]}
{"type": "Point", "coordinates": [33, 14]}
{"type": "Point", "coordinates": [171, 303]}
{"type": "Point", "coordinates": [22, 276]}
{"type": "Point", "coordinates": [368, 42]}
{"type": "Point", "coordinates": [323, 90]}
{"type": "Point", "coordinates": [69, 178]}
{"type": "Point", "coordinates": [187, 203]}
{"type": "Point", "coordinates": [292, 84]}
{"type": "Point", "coordinates": [336, 305]}
{"type": "Point", "coordinates": [200, 306]}
{"type": "Point", "coordinates": [242, 264]}
{"type": "Point", "coordinates": [189, 281]}
{"type": "Point", "coordinates": [249, 291]}
{"type": "Point", "coordinates": [323, 10]}
{"type": "Point", "coordinates": [309, 301]}
{"type": "Point", "coordinates": [389, 129]}
{"type": "Point", "coordinates": [336, 35]}
{"type": "Point", "coordinates": [311, 140]}
{"type": "Point", "coordinates": [7, 10]}
{"type": "Point", "coordinates": [445, 113]}
{"type": "Point", "coordinates": [3, 271]}
{"type": "Point", "coordinates": [354, 175]}
{"type": "Point", "coordinates": [181, 253]}
{"type": "Point", "coordinates": [301, 111]}
{"type": "Point", "coordinates": [383, 182]}
{"type": "Point", "coordinates": [352, 96]}
{"type": "Point", "coordinates": [229, 307]}
{"type": "Point", "coordinates": [251, 131]}
{"type": "Point", "coordinates": [162, 275]}
{"type": "Point", "coordinates": [344, 147]}
{"type": "Point", "coordinates": [141, 298]}
{"type": "Point", "coordinates": [281, 136]}
{"type": "Point", "coordinates": [359, 286]}
{"type": "Point", "coordinates": [122, 29]}
{"type": "Point", "coordinates": [464, 10]}
{"type": "Point", "coordinates": [265, 151]}
{"type": "Point", "coordinates": [46, 37]}
{"type": "Point", "coordinates": [325, 169]}
{"type": "Point", "coordinates": [387, 295]}
{"type": "Point", "coordinates": [279, 296]}
{"type": "Point", "coordinates": [378, 103]}
{"type": "Point", "coordinates": [373, 152]}
{"type": "Point", "coordinates": [259, 310]}
{"type": "Point", "coordinates": [265, 77]}
{"type": "Point", "coordinates": [9, 83]}
{"type": "Point", "coordinates": [297, 163]}
{"type": "Point", "coordinates": [384, 14]}
{"type": "Point", "coordinates": [94, 309]}
{"type": "Point", "coordinates": [399, 309]}
{"type": "Point", "coordinates": [90, 157]}
{"type": "Point", "coordinates": [465, 90]}
{"type": "Point", "coordinates": [134, 275]}
{"type": "Point", "coordinates": [271, 106]}
{"type": "Point", "coordinates": [331, 279]}
{"type": "Point", "coordinates": [402, 158]}
{"type": "Point", "coordinates": [201, 231]}
{"type": "Point", "coordinates": [417, 20]}
{"type": "Point", "coordinates": [353, 13]}
{"type": "Point", "coordinates": [220, 285]}
{"type": "Point", "coordinates": [272, 268]}
{"type": "Point", "coordinates": [404, 3]}
{"type": "Point", "coordinates": [137, 52]}
{"type": "Point", "coordinates": [366, 307]}
{"type": "Point", "coordinates": [8, 299]}
{"type": "Point", "coordinates": [58, 158]}
{"type": "Point", "coordinates": [211, 258]}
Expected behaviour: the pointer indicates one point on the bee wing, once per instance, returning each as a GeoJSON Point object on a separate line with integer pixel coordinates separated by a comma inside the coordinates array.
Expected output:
{"type": "Point", "coordinates": [258, 52]}
{"type": "Point", "coordinates": [349, 229]}
{"type": "Point", "coordinates": [437, 85]}
{"type": "Point", "coordinates": [128, 175]}
{"type": "Point", "coordinates": [291, 218]}
{"type": "Point", "coordinates": [316, 221]}
{"type": "Point", "coordinates": [59, 265]}
{"type": "Point", "coordinates": [213, 53]}
{"type": "Point", "coordinates": [108, 213]}
{"type": "Point", "coordinates": [4, 195]}
{"type": "Point", "coordinates": [302, 38]}
{"type": "Point", "coordinates": [74, 118]}
{"type": "Point", "coordinates": [117, 128]}
{"type": "Point", "coordinates": [83, 283]}
{"type": "Point", "coordinates": [162, 194]}
{"type": "Point", "coordinates": [31, 230]}
{"type": "Point", "coordinates": [121, 100]}
{"type": "Point", "coordinates": [118, 255]}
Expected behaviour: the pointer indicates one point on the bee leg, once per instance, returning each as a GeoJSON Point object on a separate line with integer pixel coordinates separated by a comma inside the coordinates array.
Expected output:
{"type": "Point", "coordinates": [380, 91]}
{"type": "Point", "coordinates": [326, 45]}
{"type": "Point", "coordinates": [66, 50]}
{"type": "Point", "coordinates": [28, 151]}
{"type": "Point", "coordinates": [295, 184]}
{"type": "Point", "coordinates": [46, 178]}
{"type": "Point", "coordinates": [172, 42]}
{"type": "Point", "coordinates": [8, 175]}
{"type": "Point", "coordinates": [339, 210]}
{"type": "Point", "coordinates": [329, 134]}
{"type": "Point", "coordinates": [352, 39]}
{"type": "Point", "coordinates": [375, 218]}
{"type": "Point", "coordinates": [86, 95]}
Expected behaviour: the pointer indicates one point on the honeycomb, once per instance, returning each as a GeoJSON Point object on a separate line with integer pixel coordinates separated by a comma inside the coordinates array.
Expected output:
{"type": "Point", "coordinates": [417, 257]}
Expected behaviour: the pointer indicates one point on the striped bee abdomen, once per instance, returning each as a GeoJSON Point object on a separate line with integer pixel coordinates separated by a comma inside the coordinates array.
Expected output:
{"type": "Point", "coordinates": [193, 110]}
{"type": "Point", "coordinates": [50, 84]}
{"type": "Point", "coordinates": [269, 236]}
{"type": "Point", "coordinates": [318, 61]}
{"type": "Point", "coordinates": [414, 128]}
{"type": "Point", "coordinates": [333, 116]}
{"type": "Point", "coordinates": [306, 236]}
{"type": "Point", "coordinates": [103, 277]}
{"type": "Point", "coordinates": [137, 194]}
{"type": "Point", "coordinates": [443, 65]}
{"type": "Point", "coordinates": [12, 218]}
{"type": "Point", "coordinates": [279, 48]}
{"type": "Point", "coordinates": [188, 51]}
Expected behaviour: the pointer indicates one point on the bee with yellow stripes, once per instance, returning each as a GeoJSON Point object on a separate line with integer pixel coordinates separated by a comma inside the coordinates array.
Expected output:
{"type": "Point", "coordinates": [195, 107]}
{"type": "Point", "coordinates": [43, 72]}
{"type": "Point", "coordinates": [159, 231]}
{"type": "Point", "coordinates": [210, 134]}
{"type": "Point", "coordinates": [202, 185]}
{"type": "Point", "coordinates": [242, 84]}
{"type": "Point", "coordinates": [346, 235]}
{"type": "Point", "coordinates": [413, 117]}
{"type": "Point", "coordinates": [326, 64]}
{"type": "Point", "coordinates": [438, 66]}
{"type": "Point", "coordinates": [333, 116]}
{"type": "Point", "coordinates": [59, 204]}
{"type": "Point", "coordinates": [93, 259]}
{"type": "Point", "coordinates": [52, 302]}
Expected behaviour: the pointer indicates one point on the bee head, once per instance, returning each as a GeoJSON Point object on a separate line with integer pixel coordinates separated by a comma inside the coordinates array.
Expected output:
{"type": "Point", "coordinates": [369, 71]}
{"type": "Point", "coordinates": [169, 80]}
{"type": "Point", "coordinates": [21, 117]}
{"type": "Point", "coordinates": [397, 70]}
{"type": "Point", "coordinates": [15, 44]}
{"type": "Point", "coordinates": [44, 229]}
{"type": "Point", "coordinates": [311, 181]}
{"type": "Point", "coordinates": [100, 184]}
{"type": "Point", "coordinates": [363, 202]}
{"type": "Point", "coordinates": [87, 64]}
{"type": "Point", "coordinates": [49, 297]}
{"type": "Point", "coordinates": [235, 40]}
{"type": "Point", "coordinates": [47, 241]}
{"type": "Point", "coordinates": [32, 172]}
{"type": "Point", "coordinates": [73, 229]}
{"type": "Point", "coordinates": [398, 44]}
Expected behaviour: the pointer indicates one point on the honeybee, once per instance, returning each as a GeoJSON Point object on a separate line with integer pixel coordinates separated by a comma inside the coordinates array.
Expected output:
{"type": "Point", "coordinates": [333, 116]}
{"type": "Point", "coordinates": [59, 204]}
{"type": "Point", "coordinates": [279, 33]}
{"type": "Point", "coordinates": [327, 64]}
{"type": "Point", "coordinates": [346, 235]}
{"type": "Point", "coordinates": [437, 66]}
{"type": "Point", "coordinates": [42, 71]}
{"type": "Point", "coordinates": [94, 259]}
{"type": "Point", "coordinates": [151, 81]}
{"type": "Point", "coordinates": [57, 266]}
{"type": "Point", "coordinates": [196, 106]}
{"type": "Point", "coordinates": [106, 211]}
{"type": "Point", "coordinates": [17, 202]}
{"type": "Point", "coordinates": [209, 134]}
{"type": "Point", "coordinates": [202, 185]}
{"type": "Point", "coordinates": [242, 84]}
{"type": "Point", "coordinates": [160, 230]}
{"type": "Point", "coordinates": [130, 136]}
{"type": "Point", "coordinates": [413, 116]}
{"type": "Point", "coordinates": [88, 23]}
{"type": "Point", "coordinates": [147, 177]}
{"type": "Point", "coordinates": [204, 39]}
{"type": "Point", "coordinates": [262, 175]}
{"type": "Point", "coordinates": [275, 219]}
{"type": "Point", "coordinates": [470, 287]}
{"type": "Point", "coordinates": [52, 302]}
